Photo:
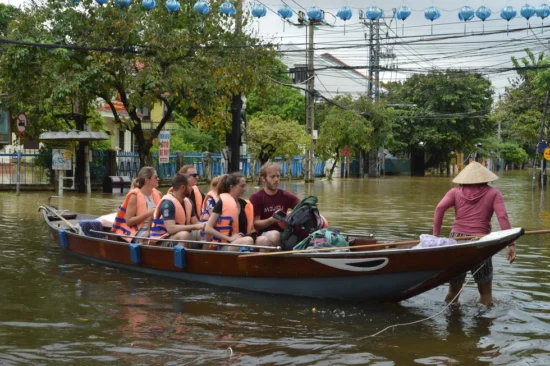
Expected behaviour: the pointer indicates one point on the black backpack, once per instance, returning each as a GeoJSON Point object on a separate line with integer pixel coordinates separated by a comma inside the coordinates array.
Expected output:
{"type": "Point", "coordinates": [302, 221]}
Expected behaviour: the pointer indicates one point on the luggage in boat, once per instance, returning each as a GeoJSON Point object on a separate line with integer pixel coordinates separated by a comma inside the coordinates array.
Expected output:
{"type": "Point", "coordinates": [302, 221]}
{"type": "Point", "coordinates": [324, 238]}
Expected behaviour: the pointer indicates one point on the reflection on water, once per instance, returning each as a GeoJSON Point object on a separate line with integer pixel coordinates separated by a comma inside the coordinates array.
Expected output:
{"type": "Point", "coordinates": [56, 308]}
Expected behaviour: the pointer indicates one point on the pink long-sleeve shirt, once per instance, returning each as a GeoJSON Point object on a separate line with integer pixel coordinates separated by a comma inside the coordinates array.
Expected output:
{"type": "Point", "coordinates": [474, 206]}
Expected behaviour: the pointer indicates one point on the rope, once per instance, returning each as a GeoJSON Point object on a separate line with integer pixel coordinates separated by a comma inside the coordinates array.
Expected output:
{"type": "Point", "coordinates": [430, 317]}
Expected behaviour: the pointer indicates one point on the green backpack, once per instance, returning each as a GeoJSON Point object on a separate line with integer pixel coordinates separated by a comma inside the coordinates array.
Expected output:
{"type": "Point", "coordinates": [302, 221]}
{"type": "Point", "coordinates": [324, 238]}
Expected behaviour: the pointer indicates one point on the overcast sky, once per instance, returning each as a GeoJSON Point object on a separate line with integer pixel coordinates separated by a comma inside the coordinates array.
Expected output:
{"type": "Point", "coordinates": [411, 55]}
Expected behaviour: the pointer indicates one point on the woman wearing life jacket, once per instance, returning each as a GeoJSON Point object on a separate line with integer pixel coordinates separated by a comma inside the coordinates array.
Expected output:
{"type": "Point", "coordinates": [134, 215]}
{"type": "Point", "coordinates": [210, 200]}
{"type": "Point", "coordinates": [233, 217]}
{"type": "Point", "coordinates": [172, 218]}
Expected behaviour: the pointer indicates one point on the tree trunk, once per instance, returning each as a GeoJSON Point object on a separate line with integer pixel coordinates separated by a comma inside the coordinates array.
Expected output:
{"type": "Point", "coordinates": [144, 150]}
{"type": "Point", "coordinates": [336, 160]}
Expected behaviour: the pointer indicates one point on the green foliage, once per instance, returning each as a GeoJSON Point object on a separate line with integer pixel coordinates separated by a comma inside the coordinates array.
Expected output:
{"type": "Point", "coordinates": [269, 136]}
{"type": "Point", "coordinates": [7, 14]}
{"type": "Point", "coordinates": [182, 60]}
{"type": "Point", "coordinates": [513, 153]}
{"type": "Point", "coordinates": [451, 113]}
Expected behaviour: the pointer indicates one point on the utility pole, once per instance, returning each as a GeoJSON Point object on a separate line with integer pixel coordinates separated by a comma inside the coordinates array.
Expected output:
{"type": "Point", "coordinates": [309, 162]}
{"type": "Point", "coordinates": [233, 139]}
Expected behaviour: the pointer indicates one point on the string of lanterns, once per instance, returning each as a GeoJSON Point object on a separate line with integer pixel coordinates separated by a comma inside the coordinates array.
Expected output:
{"type": "Point", "coordinates": [373, 13]}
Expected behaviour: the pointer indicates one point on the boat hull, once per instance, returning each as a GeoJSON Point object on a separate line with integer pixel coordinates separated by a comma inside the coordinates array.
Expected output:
{"type": "Point", "coordinates": [367, 276]}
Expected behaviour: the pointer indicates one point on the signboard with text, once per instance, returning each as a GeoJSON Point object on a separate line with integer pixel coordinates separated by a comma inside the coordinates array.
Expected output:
{"type": "Point", "coordinates": [5, 128]}
{"type": "Point", "coordinates": [62, 159]}
{"type": "Point", "coordinates": [164, 147]}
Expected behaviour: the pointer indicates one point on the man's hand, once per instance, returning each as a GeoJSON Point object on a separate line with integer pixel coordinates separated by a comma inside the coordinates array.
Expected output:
{"type": "Point", "coordinates": [511, 256]}
{"type": "Point", "coordinates": [200, 226]}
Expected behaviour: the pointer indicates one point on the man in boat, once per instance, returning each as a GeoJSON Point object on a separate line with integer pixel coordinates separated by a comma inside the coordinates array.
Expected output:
{"type": "Point", "coordinates": [474, 202]}
{"type": "Point", "coordinates": [173, 216]}
{"type": "Point", "coordinates": [268, 201]}
{"type": "Point", "coordinates": [195, 195]}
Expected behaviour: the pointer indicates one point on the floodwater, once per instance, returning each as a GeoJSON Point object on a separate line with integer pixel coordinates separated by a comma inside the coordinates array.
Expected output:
{"type": "Point", "coordinates": [56, 309]}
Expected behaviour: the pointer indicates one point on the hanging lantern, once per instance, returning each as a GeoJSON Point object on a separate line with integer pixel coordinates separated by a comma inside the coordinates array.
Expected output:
{"type": "Point", "coordinates": [402, 14]}
{"type": "Point", "coordinates": [172, 5]}
{"type": "Point", "coordinates": [285, 12]}
{"type": "Point", "coordinates": [374, 13]}
{"type": "Point", "coordinates": [101, 2]}
{"type": "Point", "coordinates": [258, 11]}
{"type": "Point", "coordinates": [483, 13]}
{"type": "Point", "coordinates": [344, 13]}
{"type": "Point", "coordinates": [466, 14]}
{"type": "Point", "coordinates": [542, 11]}
{"type": "Point", "coordinates": [149, 4]}
{"type": "Point", "coordinates": [314, 13]}
{"type": "Point", "coordinates": [228, 9]}
{"type": "Point", "coordinates": [527, 11]}
{"type": "Point", "coordinates": [202, 7]}
{"type": "Point", "coordinates": [432, 13]}
{"type": "Point", "coordinates": [123, 3]}
{"type": "Point", "coordinates": [508, 13]}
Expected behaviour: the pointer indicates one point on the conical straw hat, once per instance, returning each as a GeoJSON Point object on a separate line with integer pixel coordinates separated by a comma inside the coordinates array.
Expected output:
{"type": "Point", "coordinates": [475, 173]}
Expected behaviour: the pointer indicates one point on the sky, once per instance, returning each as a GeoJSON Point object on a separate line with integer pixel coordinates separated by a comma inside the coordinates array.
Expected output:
{"type": "Point", "coordinates": [411, 42]}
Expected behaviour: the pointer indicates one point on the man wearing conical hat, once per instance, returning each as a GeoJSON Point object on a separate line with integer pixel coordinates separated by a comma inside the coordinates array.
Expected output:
{"type": "Point", "coordinates": [474, 202]}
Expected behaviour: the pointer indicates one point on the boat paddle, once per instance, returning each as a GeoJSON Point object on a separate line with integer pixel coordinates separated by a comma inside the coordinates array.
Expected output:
{"type": "Point", "coordinates": [49, 209]}
{"type": "Point", "coordinates": [371, 246]}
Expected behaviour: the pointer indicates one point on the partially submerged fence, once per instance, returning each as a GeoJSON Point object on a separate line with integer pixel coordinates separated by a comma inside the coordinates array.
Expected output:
{"type": "Point", "coordinates": [36, 168]}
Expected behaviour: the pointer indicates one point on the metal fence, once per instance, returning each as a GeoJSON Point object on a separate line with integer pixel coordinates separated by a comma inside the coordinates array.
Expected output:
{"type": "Point", "coordinates": [35, 168]}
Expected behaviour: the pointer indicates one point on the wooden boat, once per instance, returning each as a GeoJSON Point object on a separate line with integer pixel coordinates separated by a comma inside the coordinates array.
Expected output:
{"type": "Point", "coordinates": [373, 274]}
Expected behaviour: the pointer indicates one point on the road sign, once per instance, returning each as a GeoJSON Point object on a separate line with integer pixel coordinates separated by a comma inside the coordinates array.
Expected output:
{"type": "Point", "coordinates": [164, 150]}
{"type": "Point", "coordinates": [346, 151]}
{"type": "Point", "coordinates": [21, 123]}
{"type": "Point", "coordinates": [547, 154]}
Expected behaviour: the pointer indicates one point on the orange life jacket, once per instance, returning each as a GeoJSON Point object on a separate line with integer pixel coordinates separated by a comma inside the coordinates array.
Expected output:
{"type": "Point", "coordinates": [120, 226]}
{"type": "Point", "coordinates": [183, 215]}
{"type": "Point", "coordinates": [198, 199]}
{"type": "Point", "coordinates": [228, 222]}
{"type": "Point", "coordinates": [205, 215]}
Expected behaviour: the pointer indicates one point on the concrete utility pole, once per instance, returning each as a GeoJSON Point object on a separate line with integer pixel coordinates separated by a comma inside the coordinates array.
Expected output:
{"type": "Point", "coordinates": [309, 161]}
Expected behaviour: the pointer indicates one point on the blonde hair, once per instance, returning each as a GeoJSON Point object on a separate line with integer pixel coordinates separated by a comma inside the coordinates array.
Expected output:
{"type": "Point", "coordinates": [264, 168]}
{"type": "Point", "coordinates": [145, 173]}
{"type": "Point", "coordinates": [185, 168]}
{"type": "Point", "coordinates": [215, 182]}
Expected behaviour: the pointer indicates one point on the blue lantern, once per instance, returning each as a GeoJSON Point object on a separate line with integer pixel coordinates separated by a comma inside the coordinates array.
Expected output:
{"type": "Point", "coordinates": [374, 13]}
{"type": "Point", "coordinates": [149, 4]}
{"type": "Point", "coordinates": [172, 5]}
{"type": "Point", "coordinates": [202, 7]}
{"type": "Point", "coordinates": [508, 13]}
{"type": "Point", "coordinates": [344, 13]}
{"type": "Point", "coordinates": [285, 12]}
{"type": "Point", "coordinates": [101, 2]}
{"type": "Point", "coordinates": [123, 3]}
{"type": "Point", "coordinates": [258, 11]}
{"type": "Point", "coordinates": [483, 13]}
{"type": "Point", "coordinates": [228, 9]}
{"type": "Point", "coordinates": [432, 13]}
{"type": "Point", "coordinates": [527, 11]}
{"type": "Point", "coordinates": [542, 12]}
{"type": "Point", "coordinates": [466, 14]}
{"type": "Point", "coordinates": [314, 13]}
{"type": "Point", "coordinates": [402, 14]}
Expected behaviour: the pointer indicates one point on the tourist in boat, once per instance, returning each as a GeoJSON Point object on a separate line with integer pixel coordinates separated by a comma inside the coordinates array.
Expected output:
{"type": "Point", "coordinates": [134, 215]}
{"type": "Point", "coordinates": [208, 204]}
{"type": "Point", "coordinates": [474, 202]}
{"type": "Point", "coordinates": [172, 219]}
{"type": "Point", "coordinates": [232, 219]}
{"type": "Point", "coordinates": [268, 201]}
{"type": "Point", "coordinates": [195, 194]}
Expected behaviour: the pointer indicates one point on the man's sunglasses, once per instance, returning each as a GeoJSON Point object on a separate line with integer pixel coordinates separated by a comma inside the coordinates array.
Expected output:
{"type": "Point", "coordinates": [194, 175]}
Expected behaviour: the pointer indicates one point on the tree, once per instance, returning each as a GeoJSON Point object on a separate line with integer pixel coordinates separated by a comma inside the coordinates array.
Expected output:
{"type": "Point", "coordinates": [270, 136]}
{"type": "Point", "coordinates": [451, 113]}
{"type": "Point", "coordinates": [183, 60]}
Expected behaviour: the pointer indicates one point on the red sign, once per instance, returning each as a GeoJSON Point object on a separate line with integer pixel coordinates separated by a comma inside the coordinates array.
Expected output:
{"type": "Point", "coordinates": [346, 151]}
{"type": "Point", "coordinates": [21, 123]}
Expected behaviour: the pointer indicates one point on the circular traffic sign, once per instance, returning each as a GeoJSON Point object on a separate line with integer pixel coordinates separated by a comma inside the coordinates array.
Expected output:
{"type": "Point", "coordinates": [21, 123]}
{"type": "Point", "coordinates": [547, 153]}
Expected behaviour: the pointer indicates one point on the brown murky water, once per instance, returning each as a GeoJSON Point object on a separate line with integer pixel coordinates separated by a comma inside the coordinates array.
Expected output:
{"type": "Point", "coordinates": [55, 309]}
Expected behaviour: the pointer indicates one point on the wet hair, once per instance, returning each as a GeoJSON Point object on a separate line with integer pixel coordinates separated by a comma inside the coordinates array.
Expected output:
{"type": "Point", "coordinates": [227, 181]}
{"type": "Point", "coordinates": [179, 180]}
{"type": "Point", "coordinates": [145, 173]}
{"type": "Point", "coordinates": [264, 168]}
{"type": "Point", "coordinates": [185, 168]}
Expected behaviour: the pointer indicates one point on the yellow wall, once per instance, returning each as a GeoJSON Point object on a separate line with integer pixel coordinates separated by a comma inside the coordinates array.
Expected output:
{"type": "Point", "coordinates": [157, 112]}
